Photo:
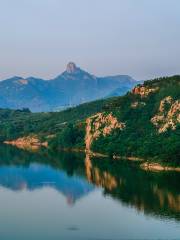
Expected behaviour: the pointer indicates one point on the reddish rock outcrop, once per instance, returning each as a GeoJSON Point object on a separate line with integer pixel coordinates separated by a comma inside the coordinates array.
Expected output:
{"type": "Point", "coordinates": [156, 167]}
{"type": "Point", "coordinates": [29, 142]}
{"type": "Point", "coordinates": [100, 124]}
{"type": "Point", "coordinates": [168, 116]}
{"type": "Point", "coordinates": [143, 91]}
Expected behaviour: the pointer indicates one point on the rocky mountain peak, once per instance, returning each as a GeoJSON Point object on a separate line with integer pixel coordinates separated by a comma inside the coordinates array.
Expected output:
{"type": "Point", "coordinates": [71, 68]}
{"type": "Point", "coordinates": [72, 87]}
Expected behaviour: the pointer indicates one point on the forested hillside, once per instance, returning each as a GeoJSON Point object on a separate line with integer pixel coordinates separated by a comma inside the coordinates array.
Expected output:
{"type": "Point", "coordinates": [17, 123]}
{"type": "Point", "coordinates": [144, 123]}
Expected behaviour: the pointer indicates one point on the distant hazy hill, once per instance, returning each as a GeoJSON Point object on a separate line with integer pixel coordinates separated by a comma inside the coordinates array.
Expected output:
{"type": "Point", "coordinates": [72, 87]}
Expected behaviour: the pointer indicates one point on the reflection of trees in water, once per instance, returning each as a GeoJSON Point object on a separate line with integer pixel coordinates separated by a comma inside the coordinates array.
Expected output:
{"type": "Point", "coordinates": [152, 193]}
{"type": "Point", "coordinates": [69, 162]}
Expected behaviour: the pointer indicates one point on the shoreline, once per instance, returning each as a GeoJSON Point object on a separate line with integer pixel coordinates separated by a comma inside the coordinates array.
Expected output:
{"type": "Point", "coordinates": [156, 167]}
{"type": "Point", "coordinates": [146, 166]}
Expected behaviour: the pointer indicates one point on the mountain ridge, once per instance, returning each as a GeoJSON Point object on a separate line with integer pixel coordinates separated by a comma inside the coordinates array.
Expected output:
{"type": "Point", "coordinates": [73, 87]}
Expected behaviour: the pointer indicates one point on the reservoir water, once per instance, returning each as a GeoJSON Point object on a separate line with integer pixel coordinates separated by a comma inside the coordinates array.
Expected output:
{"type": "Point", "coordinates": [49, 195]}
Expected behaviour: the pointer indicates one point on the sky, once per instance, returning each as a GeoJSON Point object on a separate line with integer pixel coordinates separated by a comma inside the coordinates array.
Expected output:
{"type": "Point", "coordinates": [140, 38]}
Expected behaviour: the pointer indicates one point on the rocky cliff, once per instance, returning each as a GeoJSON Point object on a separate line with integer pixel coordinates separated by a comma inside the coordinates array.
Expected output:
{"type": "Point", "coordinates": [29, 142]}
{"type": "Point", "coordinates": [100, 124]}
{"type": "Point", "coordinates": [168, 115]}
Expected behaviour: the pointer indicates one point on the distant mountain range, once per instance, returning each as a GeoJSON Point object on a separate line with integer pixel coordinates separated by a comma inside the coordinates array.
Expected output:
{"type": "Point", "coordinates": [73, 87]}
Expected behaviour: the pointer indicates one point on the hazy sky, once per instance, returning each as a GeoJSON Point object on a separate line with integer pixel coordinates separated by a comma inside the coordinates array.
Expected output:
{"type": "Point", "coordinates": [136, 37]}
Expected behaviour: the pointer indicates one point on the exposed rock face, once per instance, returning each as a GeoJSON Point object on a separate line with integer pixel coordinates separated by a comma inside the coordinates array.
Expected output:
{"type": "Point", "coordinates": [143, 91]}
{"type": "Point", "coordinates": [137, 104]}
{"type": "Point", "coordinates": [71, 68]}
{"type": "Point", "coordinates": [168, 116]}
{"type": "Point", "coordinates": [100, 124]}
{"type": "Point", "coordinates": [27, 143]}
{"type": "Point", "coordinates": [156, 167]}
{"type": "Point", "coordinates": [23, 81]}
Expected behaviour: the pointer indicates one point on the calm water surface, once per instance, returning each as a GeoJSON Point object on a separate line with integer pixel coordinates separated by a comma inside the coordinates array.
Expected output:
{"type": "Point", "coordinates": [48, 195]}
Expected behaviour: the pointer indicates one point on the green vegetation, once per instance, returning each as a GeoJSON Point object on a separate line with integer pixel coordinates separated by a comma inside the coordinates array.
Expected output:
{"type": "Point", "coordinates": [140, 138]}
{"type": "Point", "coordinates": [72, 136]}
{"type": "Point", "coordinates": [18, 123]}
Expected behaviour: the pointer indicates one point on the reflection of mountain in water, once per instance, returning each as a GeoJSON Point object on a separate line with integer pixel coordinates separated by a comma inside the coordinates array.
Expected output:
{"type": "Point", "coordinates": [157, 194]}
{"type": "Point", "coordinates": [38, 175]}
